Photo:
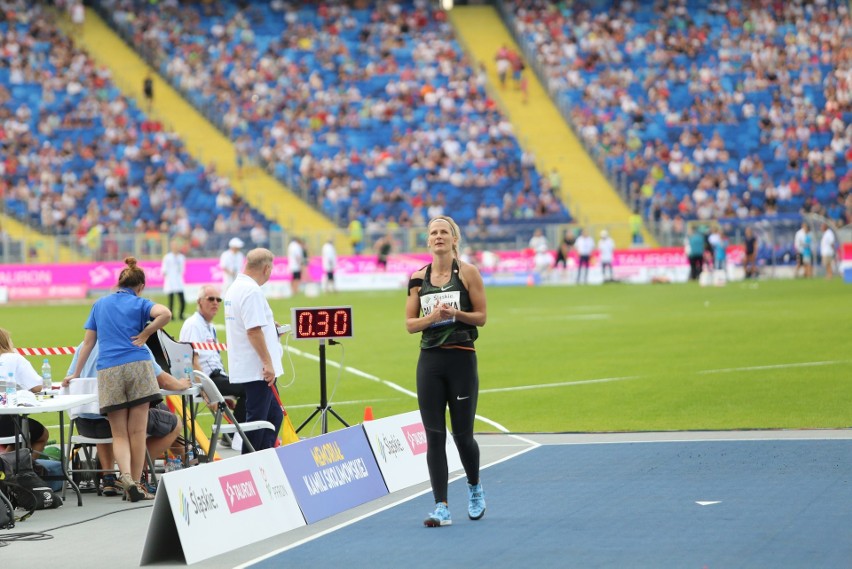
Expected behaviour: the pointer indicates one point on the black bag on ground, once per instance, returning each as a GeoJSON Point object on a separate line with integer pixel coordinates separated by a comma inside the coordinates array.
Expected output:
{"type": "Point", "coordinates": [26, 489]}
{"type": "Point", "coordinates": [7, 511]}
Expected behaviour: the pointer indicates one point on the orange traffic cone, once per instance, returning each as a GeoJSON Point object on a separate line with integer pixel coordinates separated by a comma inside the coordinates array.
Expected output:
{"type": "Point", "coordinates": [368, 414]}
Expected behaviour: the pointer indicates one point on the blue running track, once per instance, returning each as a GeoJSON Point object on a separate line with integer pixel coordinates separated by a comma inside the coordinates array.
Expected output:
{"type": "Point", "coordinates": [778, 503]}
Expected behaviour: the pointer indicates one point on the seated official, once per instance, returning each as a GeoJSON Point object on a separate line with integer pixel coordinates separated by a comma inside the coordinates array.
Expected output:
{"type": "Point", "coordinates": [163, 425]}
{"type": "Point", "coordinates": [199, 328]}
{"type": "Point", "coordinates": [27, 378]}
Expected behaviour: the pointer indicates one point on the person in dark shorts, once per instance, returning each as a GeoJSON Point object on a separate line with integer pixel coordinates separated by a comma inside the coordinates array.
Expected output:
{"type": "Point", "coordinates": [199, 328]}
{"type": "Point", "coordinates": [446, 303]}
{"type": "Point", "coordinates": [163, 425]}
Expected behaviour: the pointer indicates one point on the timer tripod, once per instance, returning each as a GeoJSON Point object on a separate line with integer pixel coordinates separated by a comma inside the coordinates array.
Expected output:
{"type": "Point", "coordinates": [323, 409]}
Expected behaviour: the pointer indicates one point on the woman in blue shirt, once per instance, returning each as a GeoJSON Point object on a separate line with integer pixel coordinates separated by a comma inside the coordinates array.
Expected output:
{"type": "Point", "coordinates": [119, 323]}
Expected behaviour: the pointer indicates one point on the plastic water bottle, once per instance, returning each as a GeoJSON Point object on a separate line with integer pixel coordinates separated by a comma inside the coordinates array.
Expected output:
{"type": "Point", "coordinates": [173, 463]}
{"type": "Point", "coordinates": [187, 367]}
{"type": "Point", "coordinates": [11, 390]}
{"type": "Point", "coordinates": [46, 378]}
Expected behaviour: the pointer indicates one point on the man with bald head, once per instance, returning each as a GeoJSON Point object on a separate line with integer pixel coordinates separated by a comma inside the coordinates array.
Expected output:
{"type": "Point", "coordinates": [199, 328]}
{"type": "Point", "coordinates": [254, 351]}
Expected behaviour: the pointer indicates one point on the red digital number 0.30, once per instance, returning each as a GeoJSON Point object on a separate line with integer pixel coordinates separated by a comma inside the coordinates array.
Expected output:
{"type": "Point", "coordinates": [319, 323]}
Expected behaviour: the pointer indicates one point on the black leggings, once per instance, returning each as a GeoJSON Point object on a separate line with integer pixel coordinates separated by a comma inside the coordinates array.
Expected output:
{"type": "Point", "coordinates": [448, 377]}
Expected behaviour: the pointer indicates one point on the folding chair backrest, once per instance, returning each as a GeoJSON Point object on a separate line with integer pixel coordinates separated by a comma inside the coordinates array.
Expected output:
{"type": "Point", "coordinates": [168, 352]}
{"type": "Point", "coordinates": [211, 392]}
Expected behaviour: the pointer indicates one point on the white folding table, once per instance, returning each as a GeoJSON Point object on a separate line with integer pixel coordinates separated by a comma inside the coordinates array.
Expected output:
{"type": "Point", "coordinates": [57, 403]}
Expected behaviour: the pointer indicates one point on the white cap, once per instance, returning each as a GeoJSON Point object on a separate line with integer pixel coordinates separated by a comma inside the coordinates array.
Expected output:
{"type": "Point", "coordinates": [604, 233]}
{"type": "Point", "coordinates": [236, 243]}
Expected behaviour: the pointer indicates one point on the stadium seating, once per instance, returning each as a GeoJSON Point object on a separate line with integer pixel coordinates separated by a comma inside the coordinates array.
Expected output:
{"type": "Point", "coordinates": [82, 159]}
{"type": "Point", "coordinates": [706, 110]}
{"type": "Point", "coordinates": [353, 107]}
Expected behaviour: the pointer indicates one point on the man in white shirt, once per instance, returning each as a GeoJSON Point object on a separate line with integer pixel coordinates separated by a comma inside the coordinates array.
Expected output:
{"type": "Point", "coordinates": [295, 262]}
{"type": "Point", "coordinates": [828, 250]}
{"type": "Point", "coordinates": [585, 246]}
{"type": "Point", "coordinates": [254, 351]}
{"type": "Point", "coordinates": [231, 262]}
{"type": "Point", "coordinates": [329, 263]}
{"type": "Point", "coordinates": [199, 328]}
{"type": "Point", "coordinates": [541, 256]}
{"type": "Point", "coordinates": [174, 267]}
{"type": "Point", "coordinates": [606, 250]}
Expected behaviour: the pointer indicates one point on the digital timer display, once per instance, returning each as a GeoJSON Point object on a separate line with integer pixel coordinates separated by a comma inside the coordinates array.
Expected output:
{"type": "Point", "coordinates": [319, 323]}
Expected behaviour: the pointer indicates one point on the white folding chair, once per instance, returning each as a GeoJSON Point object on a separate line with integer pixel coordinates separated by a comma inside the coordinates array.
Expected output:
{"type": "Point", "coordinates": [221, 410]}
{"type": "Point", "coordinates": [173, 353]}
{"type": "Point", "coordinates": [82, 463]}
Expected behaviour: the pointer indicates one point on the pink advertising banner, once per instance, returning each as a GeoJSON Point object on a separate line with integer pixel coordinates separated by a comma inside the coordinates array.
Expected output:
{"type": "Point", "coordinates": [75, 279]}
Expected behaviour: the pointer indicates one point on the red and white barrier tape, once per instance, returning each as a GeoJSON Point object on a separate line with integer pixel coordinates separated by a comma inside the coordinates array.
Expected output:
{"type": "Point", "coordinates": [69, 350]}
{"type": "Point", "coordinates": [209, 346]}
{"type": "Point", "coordinates": [66, 351]}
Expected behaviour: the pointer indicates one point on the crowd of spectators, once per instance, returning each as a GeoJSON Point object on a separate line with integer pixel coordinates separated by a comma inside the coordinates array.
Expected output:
{"type": "Point", "coordinates": [370, 112]}
{"type": "Point", "coordinates": [80, 159]}
{"type": "Point", "coordinates": [730, 109]}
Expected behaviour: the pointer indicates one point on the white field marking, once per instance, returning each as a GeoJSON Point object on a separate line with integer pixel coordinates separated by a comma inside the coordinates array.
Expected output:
{"type": "Point", "coordinates": [342, 525]}
{"type": "Point", "coordinates": [386, 383]}
{"type": "Point", "coordinates": [709, 503]}
{"type": "Point", "coordinates": [560, 384]}
{"type": "Point", "coordinates": [777, 366]}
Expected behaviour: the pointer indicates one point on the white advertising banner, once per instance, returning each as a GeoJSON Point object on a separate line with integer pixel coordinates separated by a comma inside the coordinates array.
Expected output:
{"type": "Point", "coordinates": [399, 444]}
{"type": "Point", "coordinates": [246, 498]}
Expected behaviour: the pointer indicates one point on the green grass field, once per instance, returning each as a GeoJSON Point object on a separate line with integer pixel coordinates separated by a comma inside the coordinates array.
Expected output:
{"type": "Point", "coordinates": [610, 358]}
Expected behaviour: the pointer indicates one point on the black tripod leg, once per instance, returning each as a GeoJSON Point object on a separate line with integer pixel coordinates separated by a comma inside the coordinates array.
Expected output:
{"type": "Point", "coordinates": [339, 418]}
{"type": "Point", "coordinates": [308, 420]}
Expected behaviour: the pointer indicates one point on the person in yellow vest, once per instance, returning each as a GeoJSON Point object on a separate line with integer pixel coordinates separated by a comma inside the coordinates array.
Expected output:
{"type": "Point", "coordinates": [635, 222]}
{"type": "Point", "coordinates": [356, 235]}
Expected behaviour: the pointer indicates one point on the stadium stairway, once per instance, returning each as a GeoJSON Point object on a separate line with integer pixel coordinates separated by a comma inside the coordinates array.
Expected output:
{"type": "Point", "coordinates": [44, 248]}
{"type": "Point", "coordinates": [540, 128]}
{"type": "Point", "coordinates": [203, 140]}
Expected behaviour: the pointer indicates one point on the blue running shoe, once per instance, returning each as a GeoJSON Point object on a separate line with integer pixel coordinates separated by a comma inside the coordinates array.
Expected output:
{"type": "Point", "coordinates": [149, 486]}
{"type": "Point", "coordinates": [476, 501]}
{"type": "Point", "coordinates": [440, 517]}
